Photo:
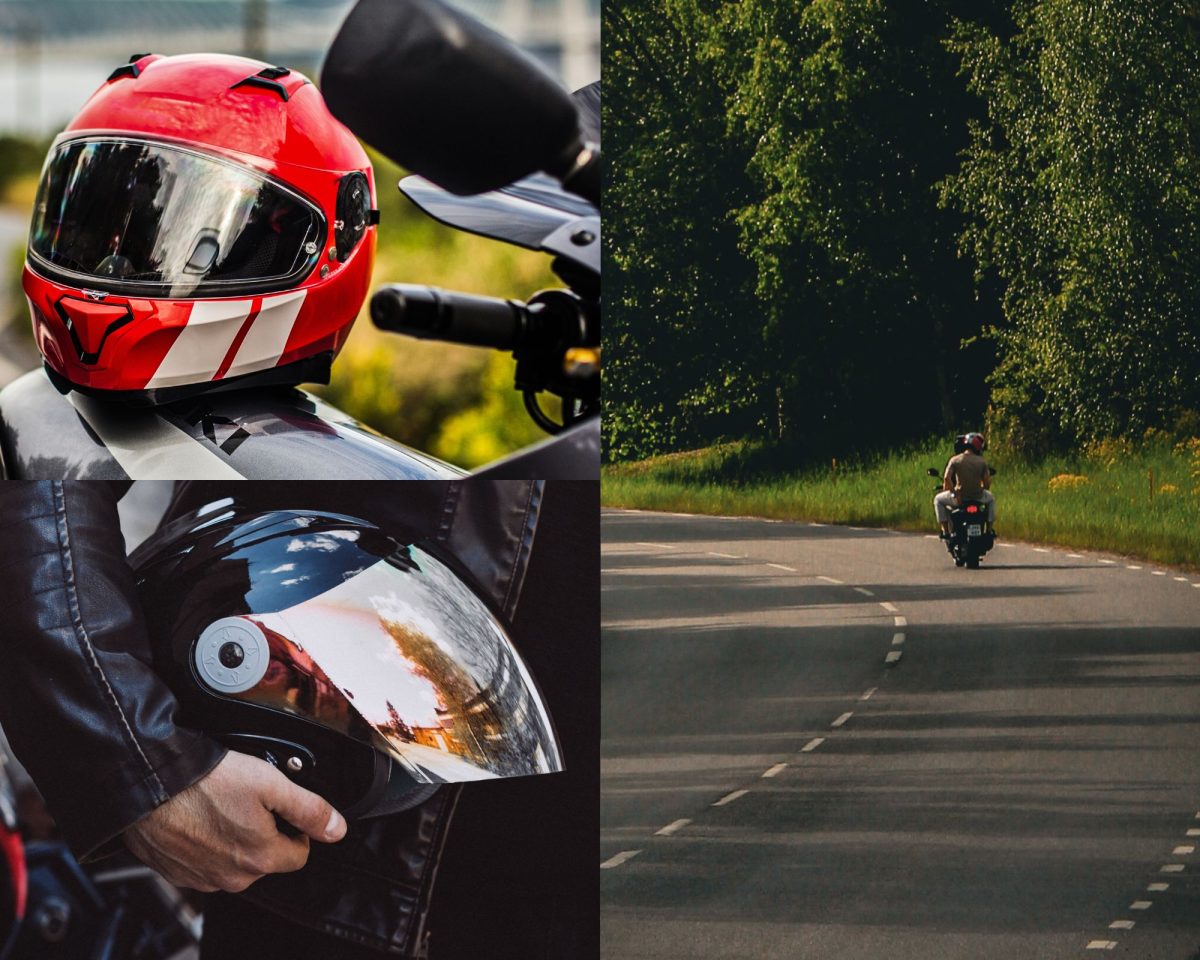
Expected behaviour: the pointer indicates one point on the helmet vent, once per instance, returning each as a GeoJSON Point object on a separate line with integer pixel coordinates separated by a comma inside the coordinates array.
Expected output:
{"type": "Point", "coordinates": [267, 79]}
{"type": "Point", "coordinates": [130, 70]}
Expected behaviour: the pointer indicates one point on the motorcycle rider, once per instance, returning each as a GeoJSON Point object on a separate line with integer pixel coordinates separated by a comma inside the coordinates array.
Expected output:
{"type": "Point", "coordinates": [967, 477]}
{"type": "Point", "coordinates": [93, 724]}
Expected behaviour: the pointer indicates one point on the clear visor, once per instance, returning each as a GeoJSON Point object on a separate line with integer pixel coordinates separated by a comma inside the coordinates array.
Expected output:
{"type": "Point", "coordinates": [155, 220]}
{"type": "Point", "coordinates": [403, 656]}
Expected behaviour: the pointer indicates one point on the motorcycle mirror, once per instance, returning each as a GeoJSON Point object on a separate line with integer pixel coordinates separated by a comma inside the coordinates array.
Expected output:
{"type": "Point", "coordinates": [932, 472]}
{"type": "Point", "coordinates": [448, 98]}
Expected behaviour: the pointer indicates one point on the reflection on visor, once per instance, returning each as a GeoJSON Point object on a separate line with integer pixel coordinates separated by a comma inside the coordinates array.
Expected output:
{"type": "Point", "coordinates": [138, 217]}
{"type": "Point", "coordinates": [404, 657]}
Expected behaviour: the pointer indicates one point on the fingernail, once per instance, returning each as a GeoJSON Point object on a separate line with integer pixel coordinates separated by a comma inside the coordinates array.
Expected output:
{"type": "Point", "coordinates": [335, 829]}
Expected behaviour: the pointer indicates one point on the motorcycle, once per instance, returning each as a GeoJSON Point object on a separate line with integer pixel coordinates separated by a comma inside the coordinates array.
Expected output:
{"type": "Point", "coordinates": [51, 907]}
{"type": "Point", "coordinates": [537, 186]}
{"type": "Point", "coordinates": [969, 539]}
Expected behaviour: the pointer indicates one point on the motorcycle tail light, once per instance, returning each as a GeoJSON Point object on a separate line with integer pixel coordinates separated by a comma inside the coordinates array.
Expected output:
{"type": "Point", "coordinates": [971, 508]}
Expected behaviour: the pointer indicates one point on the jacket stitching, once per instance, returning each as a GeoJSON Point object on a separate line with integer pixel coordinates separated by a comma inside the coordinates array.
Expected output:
{"type": "Point", "coordinates": [519, 551]}
{"type": "Point", "coordinates": [81, 634]}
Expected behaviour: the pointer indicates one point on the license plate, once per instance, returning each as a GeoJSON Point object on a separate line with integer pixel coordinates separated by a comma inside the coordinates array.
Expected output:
{"type": "Point", "coordinates": [974, 530]}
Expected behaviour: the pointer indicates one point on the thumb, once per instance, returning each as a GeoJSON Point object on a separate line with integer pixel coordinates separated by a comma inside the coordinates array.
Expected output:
{"type": "Point", "coordinates": [305, 810]}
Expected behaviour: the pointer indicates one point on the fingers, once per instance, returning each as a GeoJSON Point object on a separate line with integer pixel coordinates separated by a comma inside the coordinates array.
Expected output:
{"type": "Point", "coordinates": [305, 810]}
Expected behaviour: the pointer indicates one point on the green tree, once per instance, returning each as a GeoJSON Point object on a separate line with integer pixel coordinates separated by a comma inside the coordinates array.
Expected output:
{"type": "Point", "coordinates": [1083, 191]}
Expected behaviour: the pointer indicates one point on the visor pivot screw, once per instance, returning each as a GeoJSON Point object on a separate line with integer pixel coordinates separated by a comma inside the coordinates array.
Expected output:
{"type": "Point", "coordinates": [324, 271]}
{"type": "Point", "coordinates": [333, 253]}
{"type": "Point", "coordinates": [310, 248]}
{"type": "Point", "coordinates": [295, 764]}
{"type": "Point", "coordinates": [231, 655]}
{"type": "Point", "coordinates": [581, 238]}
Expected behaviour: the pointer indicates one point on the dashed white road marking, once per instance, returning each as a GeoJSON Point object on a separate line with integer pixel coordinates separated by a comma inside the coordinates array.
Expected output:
{"type": "Point", "coordinates": [831, 580]}
{"type": "Point", "coordinates": [897, 639]}
{"type": "Point", "coordinates": [1181, 579]}
{"type": "Point", "coordinates": [1158, 573]}
{"type": "Point", "coordinates": [775, 770]}
{"type": "Point", "coordinates": [671, 828]}
{"type": "Point", "coordinates": [619, 859]}
{"type": "Point", "coordinates": [1008, 545]}
{"type": "Point", "coordinates": [812, 744]}
{"type": "Point", "coordinates": [727, 556]}
{"type": "Point", "coordinates": [780, 566]}
{"type": "Point", "coordinates": [1171, 868]}
{"type": "Point", "coordinates": [1158, 887]}
{"type": "Point", "coordinates": [1110, 562]}
{"type": "Point", "coordinates": [889, 607]}
{"type": "Point", "coordinates": [840, 721]}
{"type": "Point", "coordinates": [1196, 584]}
{"type": "Point", "coordinates": [1121, 925]}
{"type": "Point", "coordinates": [660, 546]}
{"type": "Point", "coordinates": [864, 591]}
{"type": "Point", "coordinates": [1102, 945]}
{"type": "Point", "coordinates": [730, 797]}
{"type": "Point", "coordinates": [870, 693]}
{"type": "Point", "coordinates": [1075, 556]}
{"type": "Point", "coordinates": [901, 622]}
{"type": "Point", "coordinates": [892, 657]}
{"type": "Point", "coordinates": [1182, 851]}
{"type": "Point", "coordinates": [932, 536]}
{"type": "Point", "coordinates": [1193, 833]}
{"type": "Point", "coordinates": [1131, 566]}
{"type": "Point", "coordinates": [1140, 905]}
{"type": "Point", "coordinates": [1040, 550]}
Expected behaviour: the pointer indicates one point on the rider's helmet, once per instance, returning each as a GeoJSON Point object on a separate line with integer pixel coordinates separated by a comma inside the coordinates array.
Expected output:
{"type": "Point", "coordinates": [203, 222]}
{"type": "Point", "coordinates": [361, 665]}
{"type": "Point", "coordinates": [976, 442]}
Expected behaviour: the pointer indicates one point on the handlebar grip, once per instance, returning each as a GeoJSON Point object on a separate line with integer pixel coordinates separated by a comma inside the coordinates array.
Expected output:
{"type": "Point", "coordinates": [433, 314]}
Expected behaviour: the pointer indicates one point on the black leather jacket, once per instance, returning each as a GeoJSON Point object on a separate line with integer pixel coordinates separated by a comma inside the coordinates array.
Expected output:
{"type": "Point", "coordinates": [94, 726]}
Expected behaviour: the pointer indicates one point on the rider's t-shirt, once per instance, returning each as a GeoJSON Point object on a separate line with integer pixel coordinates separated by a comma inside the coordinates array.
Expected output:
{"type": "Point", "coordinates": [965, 474]}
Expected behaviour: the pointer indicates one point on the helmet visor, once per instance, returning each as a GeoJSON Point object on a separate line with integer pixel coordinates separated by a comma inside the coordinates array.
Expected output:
{"type": "Point", "coordinates": [405, 657]}
{"type": "Point", "coordinates": [137, 217]}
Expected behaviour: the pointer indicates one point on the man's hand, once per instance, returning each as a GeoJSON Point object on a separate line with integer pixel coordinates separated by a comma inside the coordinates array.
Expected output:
{"type": "Point", "coordinates": [219, 833]}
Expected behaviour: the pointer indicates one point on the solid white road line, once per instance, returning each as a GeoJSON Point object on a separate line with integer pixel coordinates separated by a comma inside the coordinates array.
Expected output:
{"type": "Point", "coordinates": [841, 721]}
{"type": "Point", "coordinates": [864, 591]}
{"type": "Point", "coordinates": [1140, 905]}
{"type": "Point", "coordinates": [730, 797]}
{"type": "Point", "coordinates": [671, 828]}
{"type": "Point", "coordinates": [812, 744]}
{"type": "Point", "coordinates": [870, 693]}
{"type": "Point", "coordinates": [727, 556]}
{"type": "Point", "coordinates": [660, 546]}
{"type": "Point", "coordinates": [897, 639]}
{"type": "Point", "coordinates": [893, 657]}
{"type": "Point", "coordinates": [775, 770]}
{"type": "Point", "coordinates": [619, 859]}
{"type": "Point", "coordinates": [780, 566]}
{"type": "Point", "coordinates": [889, 607]}
{"type": "Point", "coordinates": [838, 583]}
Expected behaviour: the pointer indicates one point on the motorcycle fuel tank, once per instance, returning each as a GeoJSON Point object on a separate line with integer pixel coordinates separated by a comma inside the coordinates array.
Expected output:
{"type": "Point", "coordinates": [282, 434]}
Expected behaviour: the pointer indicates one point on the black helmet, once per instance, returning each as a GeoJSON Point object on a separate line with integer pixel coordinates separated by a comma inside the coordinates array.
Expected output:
{"type": "Point", "coordinates": [362, 666]}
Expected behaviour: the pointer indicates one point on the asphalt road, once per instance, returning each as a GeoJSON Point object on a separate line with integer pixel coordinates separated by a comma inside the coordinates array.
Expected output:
{"type": "Point", "coordinates": [822, 742]}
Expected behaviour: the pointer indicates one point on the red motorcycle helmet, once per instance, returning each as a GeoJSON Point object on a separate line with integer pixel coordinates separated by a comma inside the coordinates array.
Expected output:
{"type": "Point", "coordinates": [976, 442]}
{"type": "Point", "coordinates": [203, 223]}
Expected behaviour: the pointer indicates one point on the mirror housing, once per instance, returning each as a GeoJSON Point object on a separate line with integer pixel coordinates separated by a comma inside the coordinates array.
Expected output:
{"type": "Point", "coordinates": [448, 98]}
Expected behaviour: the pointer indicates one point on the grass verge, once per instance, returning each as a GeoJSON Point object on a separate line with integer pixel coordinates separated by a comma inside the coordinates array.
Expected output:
{"type": "Point", "coordinates": [1141, 501]}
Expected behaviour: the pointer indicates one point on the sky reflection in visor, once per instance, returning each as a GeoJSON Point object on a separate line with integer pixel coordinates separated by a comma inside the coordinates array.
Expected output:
{"type": "Point", "coordinates": [424, 663]}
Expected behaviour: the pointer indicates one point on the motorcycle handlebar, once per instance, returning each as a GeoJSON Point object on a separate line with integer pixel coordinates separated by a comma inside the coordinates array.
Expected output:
{"type": "Point", "coordinates": [433, 314]}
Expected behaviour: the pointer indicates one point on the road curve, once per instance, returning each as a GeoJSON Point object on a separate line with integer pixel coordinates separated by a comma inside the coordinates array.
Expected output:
{"type": "Point", "coordinates": [826, 742]}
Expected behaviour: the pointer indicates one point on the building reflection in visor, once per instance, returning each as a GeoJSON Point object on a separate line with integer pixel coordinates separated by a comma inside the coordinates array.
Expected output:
{"type": "Point", "coordinates": [404, 653]}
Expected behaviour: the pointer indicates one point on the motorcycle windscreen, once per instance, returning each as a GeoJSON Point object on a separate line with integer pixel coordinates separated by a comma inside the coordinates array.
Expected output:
{"type": "Point", "coordinates": [404, 657]}
{"type": "Point", "coordinates": [136, 217]}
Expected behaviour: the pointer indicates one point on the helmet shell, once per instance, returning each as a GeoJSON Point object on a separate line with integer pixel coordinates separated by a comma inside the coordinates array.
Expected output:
{"type": "Point", "coordinates": [360, 664]}
{"type": "Point", "coordinates": [103, 335]}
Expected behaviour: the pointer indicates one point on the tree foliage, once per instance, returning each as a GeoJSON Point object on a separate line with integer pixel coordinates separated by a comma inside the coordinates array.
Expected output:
{"type": "Point", "coordinates": [1083, 188]}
